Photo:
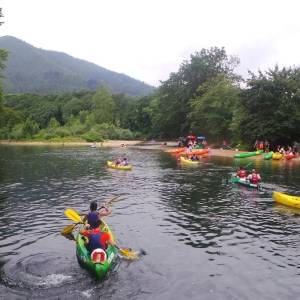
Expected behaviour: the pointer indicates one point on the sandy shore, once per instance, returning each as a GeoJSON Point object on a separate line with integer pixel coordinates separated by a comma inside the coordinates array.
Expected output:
{"type": "Point", "coordinates": [152, 145]}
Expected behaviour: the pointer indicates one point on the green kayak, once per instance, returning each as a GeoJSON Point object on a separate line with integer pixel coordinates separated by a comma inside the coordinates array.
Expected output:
{"type": "Point", "coordinates": [244, 182]}
{"type": "Point", "coordinates": [98, 270]}
{"type": "Point", "coordinates": [268, 155]}
{"type": "Point", "coordinates": [248, 154]}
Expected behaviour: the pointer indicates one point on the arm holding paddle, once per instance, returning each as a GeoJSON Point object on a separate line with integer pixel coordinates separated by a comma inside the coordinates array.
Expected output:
{"type": "Point", "coordinates": [126, 253]}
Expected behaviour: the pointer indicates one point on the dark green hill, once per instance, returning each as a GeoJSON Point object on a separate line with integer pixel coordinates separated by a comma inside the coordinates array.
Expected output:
{"type": "Point", "coordinates": [29, 69]}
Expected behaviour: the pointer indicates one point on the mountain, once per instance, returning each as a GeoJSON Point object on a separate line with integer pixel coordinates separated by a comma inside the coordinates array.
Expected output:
{"type": "Point", "coordinates": [30, 69]}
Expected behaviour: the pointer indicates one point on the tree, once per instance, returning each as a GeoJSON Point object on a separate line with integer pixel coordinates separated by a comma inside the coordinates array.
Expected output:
{"type": "Point", "coordinates": [175, 93]}
{"type": "Point", "coordinates": [103, 106]}
{"type": "Point", "coordinates": [30, 128]}
{"type": "Point", "coordinates": [270, 106]}
{"type": "Point", "coordinates": [212, 112]}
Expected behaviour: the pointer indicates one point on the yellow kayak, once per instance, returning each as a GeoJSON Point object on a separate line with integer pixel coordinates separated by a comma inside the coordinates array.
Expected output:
{"type": "Point", "coordinates": [189, 161]}
{"type": "Point", "coordinates": [110, 164]}
{"type": "Point", "coordinates": [277, 155]}
{"type": "Point", "coordinates": [286, 199]}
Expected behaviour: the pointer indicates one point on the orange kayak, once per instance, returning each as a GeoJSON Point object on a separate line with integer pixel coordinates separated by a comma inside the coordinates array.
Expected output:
{"type": "Point", "coordinates": [197, 152]}
{"type": "Point", "coordinates": [177, 150]}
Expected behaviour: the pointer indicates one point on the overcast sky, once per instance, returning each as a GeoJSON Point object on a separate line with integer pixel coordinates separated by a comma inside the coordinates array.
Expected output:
{"type": "Point", "coordinates": [148, 39]}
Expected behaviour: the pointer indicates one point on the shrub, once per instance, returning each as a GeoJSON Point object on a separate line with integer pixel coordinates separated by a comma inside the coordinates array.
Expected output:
{"type": "Point", "coordinates": [92, 136]}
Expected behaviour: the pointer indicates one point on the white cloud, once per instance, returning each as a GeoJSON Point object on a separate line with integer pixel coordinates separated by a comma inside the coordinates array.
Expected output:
{"type": "Point", "coordinates": [149, 39]}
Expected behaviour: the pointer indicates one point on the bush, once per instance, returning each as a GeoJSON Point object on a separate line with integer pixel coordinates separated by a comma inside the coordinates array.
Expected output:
{"type": "Point", "coordinates": [92, 136]}
{"type": "Point", "coordinates": [4, 133]}
{"type": "Point", "coordinates": [17, 132]}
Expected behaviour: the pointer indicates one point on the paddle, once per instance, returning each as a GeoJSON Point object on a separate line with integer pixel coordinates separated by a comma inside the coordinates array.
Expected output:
{"type": "Point", "coordinates": [248, 165]}
{"type": "Point", "coordinates": [69, 228]}
{"type": "Point", "coordinates": [73, 215]}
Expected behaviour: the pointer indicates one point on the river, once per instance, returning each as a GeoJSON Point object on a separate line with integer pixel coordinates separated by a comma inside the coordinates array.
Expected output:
{"type": "Point", "coordinates": [203, 237]}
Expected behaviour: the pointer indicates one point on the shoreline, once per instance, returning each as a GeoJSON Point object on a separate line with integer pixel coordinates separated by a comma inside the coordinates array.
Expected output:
{"type": "Point", "coordinates": [108, 143]}
{"type": "Point", "coordinates": [163, 146]}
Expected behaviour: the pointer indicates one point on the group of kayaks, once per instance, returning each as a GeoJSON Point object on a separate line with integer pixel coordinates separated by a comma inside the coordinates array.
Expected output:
{"type": "Point", "coordinates": [100, 263]}
{"type": "Point", "coordinates": [268, 155]}
{"type": "Point", "coordinates": [185, 155]}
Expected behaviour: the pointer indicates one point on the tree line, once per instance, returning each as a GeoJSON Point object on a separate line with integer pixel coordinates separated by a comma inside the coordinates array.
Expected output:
{"type": "Point", "coordinates": [205, 96]}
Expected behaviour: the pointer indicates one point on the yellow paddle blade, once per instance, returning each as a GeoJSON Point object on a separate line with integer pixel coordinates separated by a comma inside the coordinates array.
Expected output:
{"type": "Point", "coordinates": [128, 254]}
{"type": "Point", "coordinates": [68, 229]}
{"type": "Point", "coordinates": [72, 215]}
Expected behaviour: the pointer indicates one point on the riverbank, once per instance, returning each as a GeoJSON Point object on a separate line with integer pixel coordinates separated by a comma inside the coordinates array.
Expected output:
{"type": "Point", "coordinates": [108, 143]}
{"type": "Point", "coordinates": [147, 145]}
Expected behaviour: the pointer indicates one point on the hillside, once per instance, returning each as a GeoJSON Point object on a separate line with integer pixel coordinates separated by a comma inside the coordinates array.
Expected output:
{"type": "Point", "coordinates": [29, 69]}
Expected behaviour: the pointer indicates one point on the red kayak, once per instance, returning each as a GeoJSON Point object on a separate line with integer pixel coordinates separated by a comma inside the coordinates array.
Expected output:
{"type": "Point", "coordinates": [290, 156]}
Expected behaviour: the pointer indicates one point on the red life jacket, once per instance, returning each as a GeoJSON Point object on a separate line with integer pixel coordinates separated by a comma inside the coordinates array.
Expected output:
{"type": "Point", "coordinates": [242, 174]}
{"type": "Point", "coordinates": [254, 179]}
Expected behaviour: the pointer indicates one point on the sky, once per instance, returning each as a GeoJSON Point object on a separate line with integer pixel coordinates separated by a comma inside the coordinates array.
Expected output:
{"type": "Point", "coordinates": [149, 39]}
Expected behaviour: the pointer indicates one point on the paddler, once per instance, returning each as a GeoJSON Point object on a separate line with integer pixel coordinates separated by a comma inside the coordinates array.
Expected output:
{"type": "Point", "coordinates": [254, 178]}
{"type": "Point", "coordinates": [95, 215]}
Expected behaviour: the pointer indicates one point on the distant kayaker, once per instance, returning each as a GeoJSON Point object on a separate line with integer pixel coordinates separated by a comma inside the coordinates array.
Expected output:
{"type": "Point", "coordinates": [96, 238]}
{"type": "Point", "coordinates": [194, 157]}
{"type": "Point", "coordinates": [95, 215]}
{"type": "Point", "coordinates": [124, 162]}
{"type": "Point", "coordinates": [254, 178]}
{"type": "Point", "coordinates": [241, 173]}
{"type": "Point", "coordinates": [117, 161]}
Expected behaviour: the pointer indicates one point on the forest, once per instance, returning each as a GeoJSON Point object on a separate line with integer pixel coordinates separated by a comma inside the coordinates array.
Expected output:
{"type": "Point", "coordinates": [205, 96]}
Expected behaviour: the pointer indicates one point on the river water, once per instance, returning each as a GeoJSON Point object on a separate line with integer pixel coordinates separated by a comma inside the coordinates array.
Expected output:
{"type": "Point", "coordinates": [204, 238]}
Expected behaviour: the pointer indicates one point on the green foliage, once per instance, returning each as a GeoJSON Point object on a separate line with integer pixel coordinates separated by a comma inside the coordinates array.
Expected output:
{"type": "Point", "coordinates": [17, 132]}
{"type": "Point", "coordinates": [53, 123]}
{"type": "Point", "coordinates": [103, 106]}
{"type": "Point", "coordinates": [30, 128]}
{"type": "Point", "coordinates": [174, 94]}
{"type": "Point", "coordinates": [212, 112]}
{"type": "Point", "coordinates": [92, 136]}
{"type": "Point", "coordinates": [270, 106]}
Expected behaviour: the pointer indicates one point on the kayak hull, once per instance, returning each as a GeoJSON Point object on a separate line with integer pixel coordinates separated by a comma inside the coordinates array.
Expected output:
{"type": "Point", "coordinates": [285, 199]}
{"type": "Point", "coordinates": [244, 182]}
{"type": "Point", "coordinates": [197, 152]}
{"type": "Point", "coordinates": [98, 270]}
{"type": "Point", "coordinates": [188, 161]}
{"type": "Point", "coordinates": [290, 156]}
{"type": "Point", "coordinates": [248, 154]}
{"type": "Point", "coordinates": [277, 156]}
{"type": "Point", "coordinates": [111, 165]}
{"type": "Point", "coordinates": [268, 156]}
{"type": "Point", "coordinates": [177, 150]}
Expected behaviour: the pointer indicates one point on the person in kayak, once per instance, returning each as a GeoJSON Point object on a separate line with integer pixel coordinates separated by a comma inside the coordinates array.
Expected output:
{"type": "Point", "coordinates": [254, 178]}
{"type": "Point", "coordinates": [96, 238]}
{"type": "Point", "coordinates": [241, 173]}
{"type": "Point", "coordinates": [95, 215]}
{"type": "Point", "coordinates": [117, 161]}
{"type": "Point", "coordinates": [194, 157]}
{"type": "Point", "coordinates": [124, 162]}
